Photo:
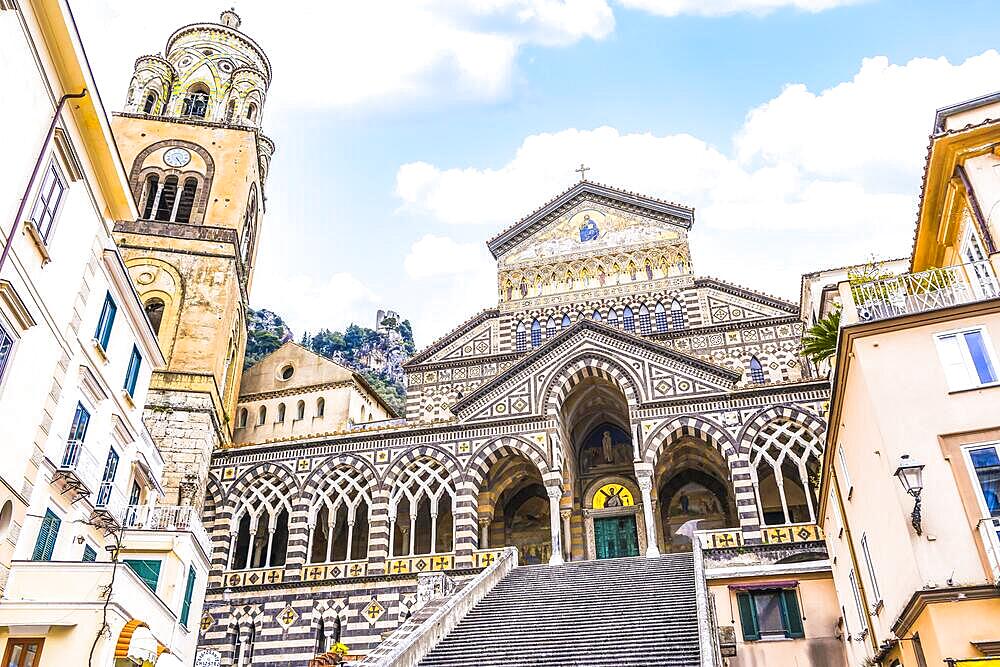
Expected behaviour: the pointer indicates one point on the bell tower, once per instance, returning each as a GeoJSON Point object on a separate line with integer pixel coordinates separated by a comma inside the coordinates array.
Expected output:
{"type": "Point", "coordinates": [190, 138]}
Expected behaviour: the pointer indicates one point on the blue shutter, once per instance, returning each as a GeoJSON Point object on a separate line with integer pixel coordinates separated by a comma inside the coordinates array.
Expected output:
{"type": "Point", "coordinates": [107, 321]}
{"type": "Point", "coordinates": [89, 555]}
{"type": "Point", "coordinates": [47, 534]}
{"type": "Point", "coordinates": [132, 375]}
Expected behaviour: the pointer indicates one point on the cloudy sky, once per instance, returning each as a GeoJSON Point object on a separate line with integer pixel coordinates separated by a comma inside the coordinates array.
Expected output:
{"type": "Point", "coordinates": [410, 131]}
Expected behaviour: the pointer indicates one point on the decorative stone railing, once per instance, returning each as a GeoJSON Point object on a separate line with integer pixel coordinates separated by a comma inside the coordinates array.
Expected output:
{"type": "Point", "coordinates": [726, 538]}
{"type": "Point", "coordinates": [347, 569]}
{"type": "Point", "coordinates": [415, 638]}
{"type": "Point", "coordinates": [989, 530]}
{"type": "Point", "coordinates": [418, 564]}
{"type": "Point", "coordinates": [707, 627]}
{"type": "Point", "coordinates": [254, 577]}
{"type": "Point", "coordinates": [919, 292]}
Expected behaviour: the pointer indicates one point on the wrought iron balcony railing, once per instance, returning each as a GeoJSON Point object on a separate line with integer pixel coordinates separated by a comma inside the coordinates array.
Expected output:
{"type": "Point", "coordinates": [79, 468]}
{"type": "Point", "coordinates": [167, 518]}
{"type": "Point", "coordinates": [928, 290]}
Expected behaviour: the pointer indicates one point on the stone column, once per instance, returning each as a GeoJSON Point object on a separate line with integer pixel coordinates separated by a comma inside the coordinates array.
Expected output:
{"type": "Point", "coordinates": [644, 475]}
{"type": "Point", "coordinates": [567, 534]}
{"type": "Point", "coordinates": [555, 494]}
{"type": "Point", "coordinates": [484, 531]}
{"type": "Point", "coordinates": [466, 524]}
{"type": "Point", "coordinates": [379, 527]}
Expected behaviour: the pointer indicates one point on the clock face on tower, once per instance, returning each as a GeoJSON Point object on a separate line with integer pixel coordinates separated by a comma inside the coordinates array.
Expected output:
{"type": "Point", "coordinates": [177, 157]}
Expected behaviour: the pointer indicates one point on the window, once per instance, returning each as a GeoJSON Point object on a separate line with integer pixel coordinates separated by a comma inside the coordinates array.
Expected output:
{"type": "Point", "coordinates": [520, 337]}
{"type": "Point", "coordinates": [565, 321]}
{"type": "Point", "coordinates": [132, 375]}
{"type": "Point", "coordinates": [660, 315]}
{"type": "Point", "coordinates": [871, 568]}
{"type": "Point", "coordinates": [986, 466]}
{"type": "Point", "coordinates": [188, 595]}
{"type": "Point", "coordinates": [612, 318]}
{"type": "Point", "coordinates": [645, 328]}
{"type": "Point", "coordinates": [536, 334]}
{"type": "Point", "coordinates": [843, 470]}
{"type": "Point", "coordinates": [676, 315]}
{"type": "Point", "coordinates": [770, 614]}
{"type": "Point", "coordinates": [154, 311]}
{"type": "Point", "coordinates": [261, 415]}
{"type": "Point", "coordinates": [108, 479]}
{"type": "Point", "coordinates": [251, 112]}
{"type": "Point", "coordinates": [300, 410]}
{"type": "Point", "coordinates": [628, 320]}
{"type": "Point", "coordinates": [550, 330]}
{"type": "Point", "coordinates": [81, 419]}
{"type": "Point", "coordinates": [6, 347]}
{"type": "Point", "coordinates": [756, 371]}
{"type": "Point", "coordinates": [89, 554]}
{"type": "Point", "coordinates": [151, 189]}
{"type": "Point", "coordinates": [320, 407]}
{"type": "Point", "coordinates": [281, 413]}
{"type": "Point", "coordinates": [241, 420]}
{"type": "Point", "coordinates": [596, 316]}
{"type": "Point", "coordinates": [50, 196]}
{"type": "Point", "coordinates": [150, 103]}
{"type": "Point", "coordinates": [858, 607]}
{"type": "Point", "coordinates": [967, 359]}
{"type": "Point", "coordinates": [23, 652]}
{"type": "Point", "coordinates": [186, 201]}
{"type": "Point", "coordinates": [196, 101]}
{"type": "Point", "coordinates": [107, 321]}
{"type": "Point", "coordinates": [230, 111]}
{"type": "Point", "coordinates": [135, 495]}
{"type": "Point", "coordinates": [47, 534]}
{"type": "Point", "coordinates": [165, 205]}
{"type": "Point", "coordinates": [148, 570]}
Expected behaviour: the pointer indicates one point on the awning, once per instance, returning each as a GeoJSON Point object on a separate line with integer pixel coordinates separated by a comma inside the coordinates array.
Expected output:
{"type": "Point", "coordinates": [764, 585]}
{"type": "Point", "coordinates": [137, 643]}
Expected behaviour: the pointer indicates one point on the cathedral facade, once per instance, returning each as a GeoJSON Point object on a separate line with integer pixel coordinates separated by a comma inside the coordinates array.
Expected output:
{"type": "Point", "coordinates": [609, 405]}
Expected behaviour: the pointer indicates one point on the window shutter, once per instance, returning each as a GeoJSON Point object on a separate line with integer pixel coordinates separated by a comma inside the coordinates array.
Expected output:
{"type": "Point", "coordinates": [148, 571]}
{"type": "Point", "coordinates": [47, 534]}
{"type": "Point", "coordinates": [89, 555]}
{"type": "Point", "coordinates": [188, 594]}
{"type": "Point", "coordinates": [748, 617]}
{"type": "Point", "coordinates": [793, 616]}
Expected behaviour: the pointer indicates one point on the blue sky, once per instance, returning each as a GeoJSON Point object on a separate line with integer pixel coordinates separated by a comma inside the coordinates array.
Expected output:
{"type": "Point", "coordinates": [410, 132]}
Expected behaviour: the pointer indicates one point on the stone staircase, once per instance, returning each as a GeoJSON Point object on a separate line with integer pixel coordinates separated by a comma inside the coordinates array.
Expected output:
{"type": "Point", "coordinates": [634, 612]}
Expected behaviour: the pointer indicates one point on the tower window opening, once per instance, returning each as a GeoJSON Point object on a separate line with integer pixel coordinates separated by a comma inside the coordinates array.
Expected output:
{"type": "Point", "coordinates": [252, 112]}
{"type": "Point", "coordinates": [165, 209]}
{"type": "Point", "coordinates": [150, 103]}
{"type": "Point", "coordinates": [230, 111]}
{"type": "Point", "coordinates": [261, 416]}
{"type": "Point", "coordinates": [152, 188]}
{"type": "Point", "coordinates": [154, 311]}
{"type": "Point", "coordinates": [186, 202]}
{"type": "Point", "coordinates": [196, 101]}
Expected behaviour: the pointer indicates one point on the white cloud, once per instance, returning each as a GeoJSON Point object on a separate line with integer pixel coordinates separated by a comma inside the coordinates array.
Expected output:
{"type": "Point", "coordinates": [725, 7]}
{"type": "Point", "coordinates": [817, 179]}
{"type": "Point", "coordinates": [440, 255]}
{"type": "Point", "coordinates": [309, 305]}
{"type": "Point", "coordinates": [342, 54]}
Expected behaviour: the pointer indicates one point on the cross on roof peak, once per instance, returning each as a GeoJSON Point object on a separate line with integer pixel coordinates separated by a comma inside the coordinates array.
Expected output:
{"type": "Point", "coordinates": [582, 171]}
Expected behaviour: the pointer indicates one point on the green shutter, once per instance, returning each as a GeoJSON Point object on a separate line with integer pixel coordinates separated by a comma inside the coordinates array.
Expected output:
{"type": "Point", "coordinates": [793, 617]}
{"type": "Point", "coordinates": [188, 594]}
{"type": "Point", "coordinates": [89, 555]}
{"type": "Point", "coordinates": [748, 617]}
{"type": "Point", "coordinates": [47, 534]}
{"type": "Point", "coordinates": [148, 571]}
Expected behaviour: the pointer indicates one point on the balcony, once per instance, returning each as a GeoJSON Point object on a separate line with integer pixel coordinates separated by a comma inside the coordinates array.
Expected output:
{"type": "Point", "coordinates": [78, 469]}
{"type": "Point", "coordinates": [989, 531]}
{"type": "Point", "coordinates": [169, 518]}
{"type": "Point", "coordinates": [921, 292]}
{"type": "Point", "coordinates": [109, 508]}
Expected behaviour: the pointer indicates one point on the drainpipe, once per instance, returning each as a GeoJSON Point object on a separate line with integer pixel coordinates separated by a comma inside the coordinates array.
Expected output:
{"type": "Point", "coordinates": [34, 173]}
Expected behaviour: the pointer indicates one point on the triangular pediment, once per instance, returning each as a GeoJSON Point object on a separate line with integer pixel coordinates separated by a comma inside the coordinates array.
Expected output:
{"type": "Point", "coordinates": [652, 372]}
{"type": "Point", "coordinates": [476, 337]}
{"type": "Point", "coordinates": [590, 216]}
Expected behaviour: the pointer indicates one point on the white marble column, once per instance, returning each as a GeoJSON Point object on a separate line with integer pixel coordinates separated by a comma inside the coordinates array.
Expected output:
{"type": "Point", "coordinates": [555, 494]}
{"type": "Point", "coordinates": [484, 531]}
{"type": "Point", "coordinates": [567, 534]}
{"type": "Point", "coordinates": [646, 487]}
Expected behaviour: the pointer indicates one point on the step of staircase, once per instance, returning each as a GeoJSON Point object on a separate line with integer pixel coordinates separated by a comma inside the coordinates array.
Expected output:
{"type": "Point", "coordinates": [633, 612]}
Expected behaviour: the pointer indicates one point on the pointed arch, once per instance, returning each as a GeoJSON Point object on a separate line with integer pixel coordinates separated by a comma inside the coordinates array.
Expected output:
{"type": "Point", "coordinates": [520, 338]}
{"type": "Point", "coordinates": [483, 459]}
{"type": "Point", "coordinates": [676, 315]}
{"type": "Point", "coordinates": [536, 333]}
{"type": "Point", "coordinates": [628, 320]}
{"type": "Point", "coordinates": [757, 375]}
{"type": "Point", "coordinates": [561, 382]}
{"type": "Point", "coordinates": [660, 316]}
{"type": "Point", "coordinates": [645, 326]}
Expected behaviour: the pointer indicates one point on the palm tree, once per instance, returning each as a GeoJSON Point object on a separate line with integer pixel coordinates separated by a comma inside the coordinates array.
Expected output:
{"type": "Point", "coordinates": [820, 342]}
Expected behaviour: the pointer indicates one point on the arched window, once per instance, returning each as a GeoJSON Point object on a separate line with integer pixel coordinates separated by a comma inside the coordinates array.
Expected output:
{"type": "Point", "coordinates": [612, 318]}
{"type": "Point", "coordinates": [756, 371]}
{"type": "Point", "coordinates": [260, 538]}
{"type": "Point", "coordinates": [420, 510]}
{"type": "Point", "coordinates": [676, 315]}
{"type": "Point", "coordinates": [196, 101]}
{"type": "Point", "coordinates": [165, 209]}
{"type": "Point", "coordinates": [565, 321]}
{"type": "Point", "coordinates": [186, 202]}
{"type": "Point", "coordinates": [628, 320]}
{"type": "Point", "coordinates": [550, 330]}
{"type": "Point", "coordinates": [785, 457]}
{"type": "Point", "coordinates": [249, 226]}
{"type": "Point", "coordinates": [261, 415]}
{"type": "Point", "coordinates": [660, 314]}
{"type": "Point", "coordinates": [338, 522]}
{"type": "Point", "coordinates": [150, 190]}
{"type": "Point", "coordinates": [362, 415]}
{"type": "Point", "coordinates": [321, 646]}
{"type": "Point", "coordinates": [536, 333]}
{"type": "Point", "coordinates": [320, 406]}
{"type": "Point", "coordinates": [520, 337]}
{"type": "Point", "coordinates": [281, 413]}
{"type": "Point", "coordinates": [252, 112]}
{"type": "Point", "coordinates": [300, 410]}
{"type": "Point", "coordinates": [230, 111]}
{"type": "Point", "coordinates": [241, 420]}
{"type": "Point", "coordinates": [149, 105]}
{"type": "Point", "coordinates": [154, 311]}
{"type": "Point", "coordinates": [645, 326]}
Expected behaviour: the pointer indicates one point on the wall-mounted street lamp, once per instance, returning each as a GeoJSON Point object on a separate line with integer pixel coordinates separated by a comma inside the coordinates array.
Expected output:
{"type": "Point", "coordinates": [910, 474]}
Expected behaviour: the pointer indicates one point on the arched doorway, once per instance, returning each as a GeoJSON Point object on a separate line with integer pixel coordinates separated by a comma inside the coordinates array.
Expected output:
{"type": "Point", "coordinates": [693, 493]}
{"type": "Point", "coordinates": [514, 510]}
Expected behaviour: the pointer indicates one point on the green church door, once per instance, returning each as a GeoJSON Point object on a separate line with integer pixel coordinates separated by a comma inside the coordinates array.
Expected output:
{"type": "Point", "coordinates": [616, 537]}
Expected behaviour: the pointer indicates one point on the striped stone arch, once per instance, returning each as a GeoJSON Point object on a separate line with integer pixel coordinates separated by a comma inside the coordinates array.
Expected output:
{"type": "Point", "coordinates": [216, 520]}
{"type": "Point", "coordinates": [481, 462]}
{"type": "Point", "coordinates": [690, 426]}
{"type": "Point", "coordinates": [243, 483]}
{"type": "Point", "coordinates": [315, 480]}
{"type": "Point", "coordinates": [790, 412]}
{"type": "Point", "coordinates": [588, 365]}
{"type": "Point", "coordinates": [443, 457]}
{"type": "Point", "coordinates": [238, 630]}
